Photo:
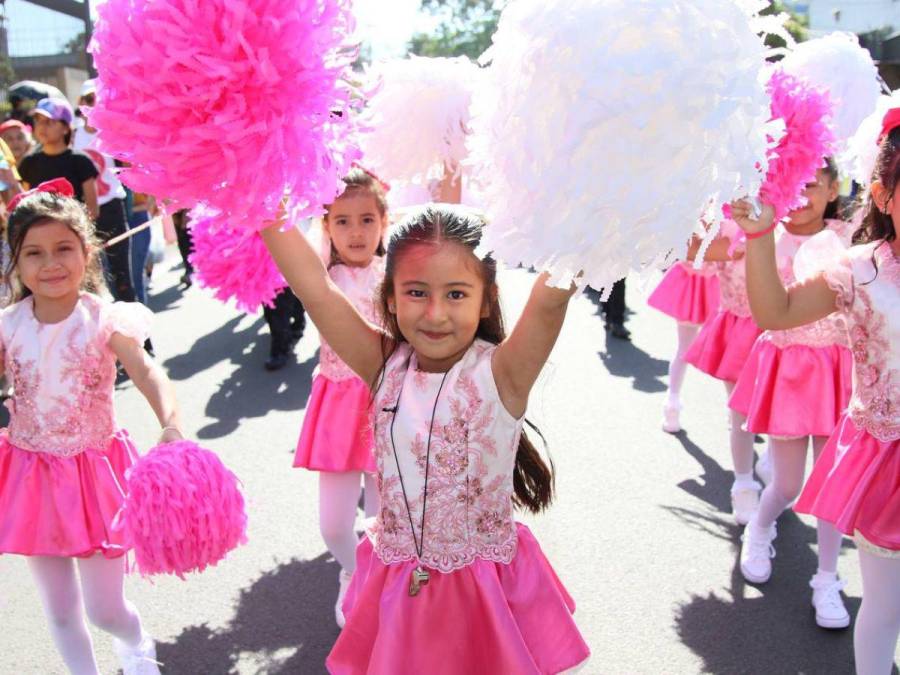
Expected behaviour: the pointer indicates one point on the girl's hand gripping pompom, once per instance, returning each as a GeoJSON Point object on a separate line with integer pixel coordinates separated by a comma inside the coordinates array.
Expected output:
{"type": "Point", "coordinates": [744, 213]}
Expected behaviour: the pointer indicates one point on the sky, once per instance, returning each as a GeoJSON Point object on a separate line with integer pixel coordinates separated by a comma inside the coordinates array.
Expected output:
{"type": "Point", "coordinates": [386, 24]}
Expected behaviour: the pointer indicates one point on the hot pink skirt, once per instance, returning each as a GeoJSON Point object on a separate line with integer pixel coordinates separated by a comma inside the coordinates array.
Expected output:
{"type": "Point", "coordinates": [337, 429]}
{"type": "Point", "coordinates": [484, 618]}
{"type": "Point", "coordinates": [723, 345]}
{"type": "Point", "coordinates": [855, 485]}
{"type": "Point", "coordinates": [63, 506]}
{"type": "Point", "coordinates": [685, 295]}
{"type": "Point", "coordinates": [796, 390]}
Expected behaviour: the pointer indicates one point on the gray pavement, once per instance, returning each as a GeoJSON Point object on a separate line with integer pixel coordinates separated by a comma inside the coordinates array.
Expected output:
{"type": "Point", "coordinates": [640, 532]}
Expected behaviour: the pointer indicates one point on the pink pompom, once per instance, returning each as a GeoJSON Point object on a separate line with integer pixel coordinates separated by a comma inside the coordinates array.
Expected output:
{"type": "Point", "coordinates": [234, 264]}
{"type": "Point", "coordinates": [183, 512]}
{"type": "Point", "coordinates": [231, 103]}
{"type": "Point", "coordinates": [807, 141]}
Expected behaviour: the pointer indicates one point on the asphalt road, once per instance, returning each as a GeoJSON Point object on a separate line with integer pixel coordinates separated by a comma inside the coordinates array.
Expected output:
{"type": "Point", "coordinates": [641, 532]}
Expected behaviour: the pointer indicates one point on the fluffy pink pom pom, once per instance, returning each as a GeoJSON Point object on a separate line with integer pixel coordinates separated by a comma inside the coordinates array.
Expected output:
{"type": "Point", "coordinates": [233, 263]}
{"type": "Point", "coordinates": [230, 103]}
{"type": "Point", "coordinates": [806, 142]}
{"type": "Point", "coordinates": [183, 512]}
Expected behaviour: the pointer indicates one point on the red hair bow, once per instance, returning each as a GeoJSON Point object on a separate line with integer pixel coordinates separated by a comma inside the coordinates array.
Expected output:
{"type": "Point", "coordinates": [891, 122]}
{"type": "Point", "coordinates": [57, 186]}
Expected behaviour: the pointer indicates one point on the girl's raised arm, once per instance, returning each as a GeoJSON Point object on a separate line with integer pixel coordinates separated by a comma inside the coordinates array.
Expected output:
{"type": "Point", "coordinates": [357, 342]}
{"type": "Point", "coordinates": [519, 360]}
{"type": "Point", "coordinates": [773, 306]}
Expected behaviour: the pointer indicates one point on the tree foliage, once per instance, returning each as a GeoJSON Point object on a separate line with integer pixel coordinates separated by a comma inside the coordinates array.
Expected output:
{"type": "Point", "coordinates": [465, 29]}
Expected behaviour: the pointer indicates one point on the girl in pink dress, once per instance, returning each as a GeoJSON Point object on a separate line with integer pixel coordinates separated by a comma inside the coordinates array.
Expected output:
{"type": "Point", "coordinates": [855, 484]}
{"type": "Point", "coordinates": [336, 439]}
{"type": "Point", "coordinates": [795, 387]}
{"type": "Point", "coordinates": [721, 350]}
{"type": "Point", "coordinates": [690, 297]}
{"type": "Point", "coordinates": [63, 458]}
{"type": "Point", "coordinates": [446, 580]}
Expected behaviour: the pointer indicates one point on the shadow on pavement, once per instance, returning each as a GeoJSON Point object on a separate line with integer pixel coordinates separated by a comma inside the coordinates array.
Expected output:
{"type": "Point", "coordinates": [224, 343]}
{"type": "Point", "coordinates": [164, 300]}
{"type": "Point", "coordinates": [624, 359]}
{"type": "Point", "coordinates": [714, 486]}
{"type": "Point", "coordinates": [283, 623]}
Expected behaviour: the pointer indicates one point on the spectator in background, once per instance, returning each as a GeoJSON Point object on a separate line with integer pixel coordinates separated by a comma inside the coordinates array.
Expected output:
{"type": "Point", "coordinates": [18, 137]}
{"type": "Point", "coordinates": [614, 312]}
{"type": "Point", "coordinates": [139, 208]}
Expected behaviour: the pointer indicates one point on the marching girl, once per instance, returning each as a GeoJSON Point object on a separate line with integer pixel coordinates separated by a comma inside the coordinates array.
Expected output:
{"type": "Point", "coordinates": [63, 458]}
{"type": "Point", "coordinates": [855, 484]}
{"type": "Point", "coordinates": [794, 388]}
{"type": "Point", "coordinates": [336, 439]}
{"type": "Point", "coordinates": [446, 575]}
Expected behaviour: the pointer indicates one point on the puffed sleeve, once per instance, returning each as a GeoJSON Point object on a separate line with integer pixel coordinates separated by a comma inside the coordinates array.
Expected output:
{"type": "Point", "coordinates": [824, 255]}
{"type": "Point", "coordinates": [131, 319]}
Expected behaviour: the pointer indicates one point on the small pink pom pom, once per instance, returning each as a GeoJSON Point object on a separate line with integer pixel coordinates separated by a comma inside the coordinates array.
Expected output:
{"type": "Point", "coordinates": [231, 103]}
{"type": "Point", "coordinates": [234, 264]}
{"type": "Point", "coordinates": [183, 512]}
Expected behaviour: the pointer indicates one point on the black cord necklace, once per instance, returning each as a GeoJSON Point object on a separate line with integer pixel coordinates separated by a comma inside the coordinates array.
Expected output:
{"type": "Point", "coordinates": [419, 575]}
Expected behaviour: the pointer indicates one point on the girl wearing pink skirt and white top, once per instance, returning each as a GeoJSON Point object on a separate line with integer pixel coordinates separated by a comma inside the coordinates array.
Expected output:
{"type": "Point", "coordinates": [336, 439]}
{"type": "Point", "coordinates": [855, 484]}
{"type": "Point", "coordinates": [795, 387]}
{"type": "Point", "coordinates": [447, 580]}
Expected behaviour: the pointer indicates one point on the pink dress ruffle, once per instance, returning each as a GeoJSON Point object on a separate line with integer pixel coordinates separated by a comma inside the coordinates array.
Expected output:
{"type": "Point", "coordinates": [337, 431]}
{"type": "Point", "coordinates": [686, 295]}
{"type": "Point", "coordinates": [797, 390]}
{"type": "Point", "coordinates": [484, 618]}
{"type": "Point", "coordinates": [63, 506]}
{"type": "Point", "coordinates": [723, 345]}
{"type": "Point", "coordinates": [855, 485]}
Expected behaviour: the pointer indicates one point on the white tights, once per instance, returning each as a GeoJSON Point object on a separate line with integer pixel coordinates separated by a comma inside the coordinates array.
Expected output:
{"type": "Point", "coordinates": [741, 441]}
{"type": "Point", "coordinates": [687, 332]}
{"type": "Point", "coordinates": [101, 593]}
{"type": "Point", "coordinates": [338, 498]}
{"type": "Point", "coordinates": [878, 621]}
{"type": "Point", "coordinates": [789, 469]}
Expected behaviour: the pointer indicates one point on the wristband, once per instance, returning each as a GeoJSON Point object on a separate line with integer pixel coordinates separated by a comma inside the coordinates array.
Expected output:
{"type": "Point", "coordinates": [761, 233]}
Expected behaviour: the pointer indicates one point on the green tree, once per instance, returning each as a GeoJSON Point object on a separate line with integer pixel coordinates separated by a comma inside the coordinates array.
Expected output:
{"type": "Point", "coordinates": [797, 25]}
{"type": "Point", "coordinates": [465, 29]}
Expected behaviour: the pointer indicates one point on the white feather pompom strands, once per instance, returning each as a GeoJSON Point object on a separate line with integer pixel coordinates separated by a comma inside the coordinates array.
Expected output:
{"type": "Point", "coordinates": [605, 130]}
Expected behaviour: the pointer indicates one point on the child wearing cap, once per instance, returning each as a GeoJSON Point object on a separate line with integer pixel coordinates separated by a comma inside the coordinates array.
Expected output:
{"type": "Point", "coordinates": [17, 137]}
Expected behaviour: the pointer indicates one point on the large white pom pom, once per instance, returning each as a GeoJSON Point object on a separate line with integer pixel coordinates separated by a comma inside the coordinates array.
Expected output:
{"type": "Point", "coordinates": [837, 63]}
{"type": "Point", "coordinates": [605, 130]}
{"type": "Point", "coordinates": [418, 117]}
{"type": "Point", "coordinates": [862, 149]}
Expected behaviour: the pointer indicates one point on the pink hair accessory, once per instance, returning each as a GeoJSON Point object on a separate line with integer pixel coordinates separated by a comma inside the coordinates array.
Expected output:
{"type": "Point", "coordinates": [57, 186]}
{"type": "Point", "coordinates": [384, 185]}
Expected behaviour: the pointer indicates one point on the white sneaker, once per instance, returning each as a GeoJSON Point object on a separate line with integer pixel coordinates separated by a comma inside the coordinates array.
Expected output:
{"type": "Point", "coordinates": [827, 601]}
{"type": "Point", "coordinates": [140, 660]}
{"type": "Point", "coordinates": [757, 553]}
{"type": "Point", "coordinates": [671, 423]}
{"type": "Point", "coordinates": [745, 501]}
{"type": "Point", "coordinates": [764, 467]}
{"type": "Point", "coordinates": [343, 584]}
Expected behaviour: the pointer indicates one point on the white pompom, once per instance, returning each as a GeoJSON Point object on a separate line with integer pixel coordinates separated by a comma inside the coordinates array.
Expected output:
{"type": "Point", "coordinates": [606, 130]}
{"type": "Point", "coordinates": [862, 148]}
{"type": "Point", "coordinates": [418, 117]}
{"type": "Point", "coordinates": [837, 63]}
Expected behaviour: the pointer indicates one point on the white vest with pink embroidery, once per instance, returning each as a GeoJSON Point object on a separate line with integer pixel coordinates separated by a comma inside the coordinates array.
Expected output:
{"type": "Point", "coordinates": [469, 508]}
{"type": "Point", "coordinates": [359, 284]}
{"type": "Point", "coordinates": [64, 373]}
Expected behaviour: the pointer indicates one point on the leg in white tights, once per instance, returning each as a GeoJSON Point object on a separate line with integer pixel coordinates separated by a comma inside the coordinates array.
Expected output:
{"type": "Point", "coordinates": [103, 582]}
{"type": "Point", "coordinates": [677, 366]}
{"type": "Point", "coordinates": [829, 537]}
{"type": "Point", "coordinates": [789, 467]}
{"type": "Point", "coordinates": [741, 441]}
{"type": "Point", "coordinates": [878, 621]}
{"type": "Point", "coordinates": [338, 498]}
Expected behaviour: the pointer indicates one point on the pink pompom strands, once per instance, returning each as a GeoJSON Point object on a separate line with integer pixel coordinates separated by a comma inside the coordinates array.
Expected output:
{"type": "Point", "coordinates": [230, 103]}
{"type": "Point", "coordinates": [235, 264]}
{"type": "Point", "coordinates": [183, 512]}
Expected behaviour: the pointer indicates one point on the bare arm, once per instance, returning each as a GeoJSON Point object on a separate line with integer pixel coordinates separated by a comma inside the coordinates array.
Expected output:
{"type": "Point", "coordinates": [89, 187]}
{"type": "Point", "coordinates": [519, 360]}
{"type": "Point", "coordinates": [357, 342]}
{"type": "Point", "coordinates": [152, 382]}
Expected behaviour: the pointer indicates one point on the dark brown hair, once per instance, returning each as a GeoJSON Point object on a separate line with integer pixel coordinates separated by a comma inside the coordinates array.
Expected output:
{"type": "Point", "coordinates": [43, 207]}
{"type": "Point", "coordinates": [356, 181]}
{"type": "Point", "coordinates": [533, 478]}
{"type": "Point", "coordinates": [875, 223]}
{"type": "Point", "coordinates": [833, 208]}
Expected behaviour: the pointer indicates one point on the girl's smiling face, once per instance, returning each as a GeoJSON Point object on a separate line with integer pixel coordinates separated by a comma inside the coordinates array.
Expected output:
{"type": "Point", "coordinates": [52, 261]}
{"type": "Point", "coordinates": [356, 227]}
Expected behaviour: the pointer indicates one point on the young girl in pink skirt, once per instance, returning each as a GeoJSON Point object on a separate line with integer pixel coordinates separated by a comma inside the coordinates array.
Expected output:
{"type": "Point", "coordinates": [689, 296]}
{"type": "Point", "coordinates": [855, 484]}
{"type": "Point", "coordinates": [721, 350]}
{"type": "Point", "coordinates": [336, 439]}
{"type": "Point", "coordinates": [63, 458]}
{"type": "Point", "coordinates": [795, 387]}
{"type": "Point", "coordinates": [446, 581]}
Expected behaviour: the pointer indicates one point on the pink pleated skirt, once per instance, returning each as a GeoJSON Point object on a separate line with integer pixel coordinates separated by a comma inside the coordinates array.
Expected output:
{"type": "Point", "coordinates": [337, 429]}
{"type": "Point", "coordinates": [484, 618]}
{"type": "Point", "coordinates": [63, 506]}
{"type": "Point", "coordinates": [723, 345]}
{"type": "Point", "coordinates": [795, 390]}
{"type": "Point", "coordinates": [855, 485]}
{"type": "Point", "coordinates": [686, 295]}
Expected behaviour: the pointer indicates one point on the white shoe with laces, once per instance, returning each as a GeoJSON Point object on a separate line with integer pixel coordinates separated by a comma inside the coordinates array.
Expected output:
{"type": "Point", "coordinates": [745, 501]}
{"type": "Point", "coordinates": [344, 579]}
{"type": "Point", "coordinates": [671, 423]}
{"type": "Point", "coordinates": [140, 660]}
{"type": "Point", "coordinates": [827, 601]}
{"type": "Point", "coordinates": [757, 553]}
{"type": "Point", "coordinates": [764, 467]}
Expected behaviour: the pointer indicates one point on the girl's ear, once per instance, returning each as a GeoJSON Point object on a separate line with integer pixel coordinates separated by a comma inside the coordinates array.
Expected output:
{"type": "Point", "coordinates": [880, 196]}
{"type": "Point", "coordinates": [834, 190]}
{"type": "Point", "coordinates": [391, 304]}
